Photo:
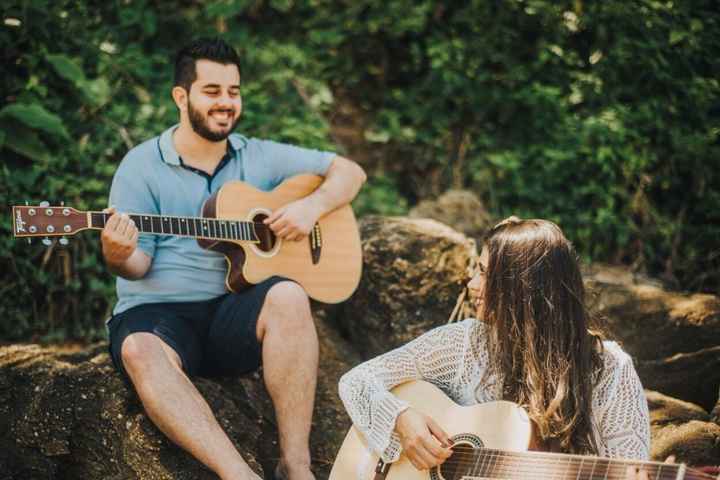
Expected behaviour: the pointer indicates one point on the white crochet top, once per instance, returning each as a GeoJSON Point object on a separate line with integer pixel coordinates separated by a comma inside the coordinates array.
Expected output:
{"type": "Point", "coordinates": [454, 358]}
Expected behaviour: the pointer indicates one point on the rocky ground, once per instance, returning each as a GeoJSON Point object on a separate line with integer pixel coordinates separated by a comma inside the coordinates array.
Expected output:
{"type": "Point", "coordinates": [66, 414]}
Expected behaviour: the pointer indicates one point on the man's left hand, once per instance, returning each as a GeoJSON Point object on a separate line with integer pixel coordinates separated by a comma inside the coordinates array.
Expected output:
{"type": "Point", "coordinates": [295, 220]}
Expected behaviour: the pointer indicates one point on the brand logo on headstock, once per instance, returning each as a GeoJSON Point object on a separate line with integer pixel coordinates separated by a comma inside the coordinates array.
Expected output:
{"type": "Point", "coordinates": [19, 223]}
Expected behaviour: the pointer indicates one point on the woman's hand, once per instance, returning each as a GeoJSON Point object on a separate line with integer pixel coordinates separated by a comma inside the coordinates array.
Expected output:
{"type": "Point", "coordinates": [424, 443]}
{"type": "Point", "coordinates": [633, 473]}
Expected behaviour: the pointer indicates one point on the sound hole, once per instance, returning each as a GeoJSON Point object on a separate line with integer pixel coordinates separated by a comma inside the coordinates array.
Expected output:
{"type": "Point", "coordinates": [265, 235]}
{"type": "Point", "coordinates": [456, 467]}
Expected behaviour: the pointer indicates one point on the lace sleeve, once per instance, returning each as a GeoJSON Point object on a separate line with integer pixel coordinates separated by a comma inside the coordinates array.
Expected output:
{"type": "Point", "coordinates": [436, 357]}
{"type": "Point", "coordinates": [623, 421]}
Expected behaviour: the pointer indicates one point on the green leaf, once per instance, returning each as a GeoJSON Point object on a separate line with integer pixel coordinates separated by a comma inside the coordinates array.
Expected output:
{"type": "Point", "coordinates": [36, 117]}
{"type": "Point", "coordinates": [67, 68]}
{"type": "Point", "coordinates": [98, 91]}
{"type": "Point", "coordinates": [2, 138]}
{"type": "Point", "coordinates": [24, 141]}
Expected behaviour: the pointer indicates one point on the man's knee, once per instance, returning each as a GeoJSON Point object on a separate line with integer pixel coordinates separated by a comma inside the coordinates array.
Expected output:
{"type": "Point", "coordinates": [286, 295]}
{"type": "Point", "coordinates": [141, 350]}
{"type": "Point", "coordinates": [286, 308]}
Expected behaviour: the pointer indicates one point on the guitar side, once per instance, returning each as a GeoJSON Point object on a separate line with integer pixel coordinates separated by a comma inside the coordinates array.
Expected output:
{"type": "Point", "coordinates": [331, 280]}
{"type": "Point", "coordinates": [501, 425]}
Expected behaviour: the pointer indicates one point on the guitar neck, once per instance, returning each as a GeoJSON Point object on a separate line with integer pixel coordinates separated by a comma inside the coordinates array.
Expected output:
{"type": "Point", "coordinates": [489, 463]}
{"type": "Point", "coordinates": [194, 227]}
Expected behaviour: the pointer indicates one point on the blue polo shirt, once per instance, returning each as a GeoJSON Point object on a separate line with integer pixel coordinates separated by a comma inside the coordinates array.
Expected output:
{"type": "Point", "coordinates": [153, 179]}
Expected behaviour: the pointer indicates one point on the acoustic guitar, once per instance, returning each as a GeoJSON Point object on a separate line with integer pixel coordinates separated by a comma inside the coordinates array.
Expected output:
{"type": "Point", "coordinates": [490, 441]}
{"type": "Point", "coordinates": [327, 263]}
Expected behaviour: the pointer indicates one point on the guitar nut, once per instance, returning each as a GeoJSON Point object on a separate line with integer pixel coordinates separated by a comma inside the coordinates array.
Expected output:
{"type": "Point", "coordinates": [33, 229]}
{"type": "Point", "coordinates": [67, 228]}
{"type": "Point", "coordinates": [32, 212]}
{"type": "Point", "coordinates": [66, 212]}
{"type": "Point", "coordinates": [50, 229]}
{"type": "Point", "coordinates": [49, 212]}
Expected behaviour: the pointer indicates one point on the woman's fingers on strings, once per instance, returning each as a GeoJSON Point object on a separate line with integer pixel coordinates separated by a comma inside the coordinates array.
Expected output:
{"type": "Point", "coordinates": [439, 433]}
{"type": "Point", "coordinates": [635, 473]}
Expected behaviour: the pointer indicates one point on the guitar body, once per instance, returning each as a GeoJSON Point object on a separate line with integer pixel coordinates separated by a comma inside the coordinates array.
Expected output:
{"type": "Point", "coordinates": [498, 425]}
{"type": "Point", "coordinates": [328, 263]}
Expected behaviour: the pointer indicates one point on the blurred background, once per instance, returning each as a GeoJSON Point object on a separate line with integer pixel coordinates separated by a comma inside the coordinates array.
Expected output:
{"type": "Point", "coordinates": [603, 116]}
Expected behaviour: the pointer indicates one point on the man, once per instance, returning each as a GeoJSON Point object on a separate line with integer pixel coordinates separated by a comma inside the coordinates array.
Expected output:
{"type": "Point", "coordinates": [174, 318]}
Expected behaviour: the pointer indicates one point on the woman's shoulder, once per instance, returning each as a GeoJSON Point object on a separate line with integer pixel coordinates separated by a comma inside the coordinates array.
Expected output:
{"type": "Point", "coordinates": [615, 360]}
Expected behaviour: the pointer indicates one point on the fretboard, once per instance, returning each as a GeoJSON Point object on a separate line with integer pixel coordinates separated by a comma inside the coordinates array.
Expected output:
{"type": "Point", "coordinates": [477, 464]}
{"type": "Point", "coordinates": [196, 227]}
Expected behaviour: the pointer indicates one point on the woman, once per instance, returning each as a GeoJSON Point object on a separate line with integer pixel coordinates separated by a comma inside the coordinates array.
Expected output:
{"type": "Point", "coordinates": [530, 344]}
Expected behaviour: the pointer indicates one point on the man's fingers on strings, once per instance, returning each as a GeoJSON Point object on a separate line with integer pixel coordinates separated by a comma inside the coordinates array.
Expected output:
{"type": "Point", "coordinates": [274, 216]}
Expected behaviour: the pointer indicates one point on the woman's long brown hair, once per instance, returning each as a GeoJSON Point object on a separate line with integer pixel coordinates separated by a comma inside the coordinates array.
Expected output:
{"type": "Point", "coordinates": [540, 342]}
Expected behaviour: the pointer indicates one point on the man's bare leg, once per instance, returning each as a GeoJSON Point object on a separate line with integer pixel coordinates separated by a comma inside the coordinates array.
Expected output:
{"type": "Point", "coordinates": [176, 407]}
{"type": "Point", "coordinates": [290, 361]}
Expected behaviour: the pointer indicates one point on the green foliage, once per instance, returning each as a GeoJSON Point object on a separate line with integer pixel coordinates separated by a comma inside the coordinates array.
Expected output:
{"type": "Point", "coordinates": [603, 116]}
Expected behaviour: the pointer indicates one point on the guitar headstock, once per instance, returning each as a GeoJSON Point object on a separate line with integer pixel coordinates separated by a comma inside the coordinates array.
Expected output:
{"type": "Point", "coordinates": [46, 221]}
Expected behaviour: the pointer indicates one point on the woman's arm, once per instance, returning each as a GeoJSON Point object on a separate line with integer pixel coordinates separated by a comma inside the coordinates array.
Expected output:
{"type": "Point", "coordinates": [622, 418]}
{"type": "Point", "coordinates": [436, 357]}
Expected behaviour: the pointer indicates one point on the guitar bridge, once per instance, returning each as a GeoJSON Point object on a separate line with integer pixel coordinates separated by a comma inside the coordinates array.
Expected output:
{"type": "Point", "coordinates": [315, 244]}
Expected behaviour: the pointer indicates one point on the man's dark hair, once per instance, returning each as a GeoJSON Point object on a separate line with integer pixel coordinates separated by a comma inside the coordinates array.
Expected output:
{"type": "Point", "coordinates": [213, 49]}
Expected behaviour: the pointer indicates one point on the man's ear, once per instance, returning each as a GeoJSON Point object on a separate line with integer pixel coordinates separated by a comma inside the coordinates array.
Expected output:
{"type": "Point", "coordinates": [180, 96]}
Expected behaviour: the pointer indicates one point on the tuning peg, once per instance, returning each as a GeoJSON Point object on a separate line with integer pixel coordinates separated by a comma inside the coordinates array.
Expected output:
{"type": "Point", "coordinates": [29, 241]}
{"type": "Point", "coordinates": [46, 241]}
{"type": "Point", "coordinates": [44, 203]}
{"type": "Point", "coordinates": [26, 203]}
{"type": "Point", "coordinates": [63, 241]}
{"type": "Point", "coordinates": [62, 204]}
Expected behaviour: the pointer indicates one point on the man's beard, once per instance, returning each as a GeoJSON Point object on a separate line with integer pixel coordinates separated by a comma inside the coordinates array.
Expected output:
{"type": "Point", "coordinates": [199, 124]}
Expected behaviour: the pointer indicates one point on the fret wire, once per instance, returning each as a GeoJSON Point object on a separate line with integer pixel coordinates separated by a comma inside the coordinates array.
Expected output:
{"type": "Point", "coordinates": [174, 225]}
{"type": "Point", "coordinates": [225, 230]}
{"type": "Point", "coordinates": [236, 226]}
{"type": "Point", "coordinates": [577, 477]}
{"type": "Point", "coordinates": [244, 234]}
{"type": "Point", "coordinates": [182, 223]}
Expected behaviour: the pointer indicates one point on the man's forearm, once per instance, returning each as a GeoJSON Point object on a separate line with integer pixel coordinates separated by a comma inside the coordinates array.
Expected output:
{"type": "Point", "coordinates": [134, 268]}
{"type": "Point", "coordinates": [342, 183]}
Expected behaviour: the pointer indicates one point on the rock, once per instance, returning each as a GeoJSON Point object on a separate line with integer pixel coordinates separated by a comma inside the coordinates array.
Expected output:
{"type": "Point", "coordinates": [459, 209]}
{"type": "Point", "coordinates": [650, 322]}
{"type": "Point", "coordinates": [413, 271]}
{"type": "Point", "coordinates": [70, 415]}
{"type": "Point", "coordinates": [682, 429]}
{"type": "Point", "coordinates": [691, 376]}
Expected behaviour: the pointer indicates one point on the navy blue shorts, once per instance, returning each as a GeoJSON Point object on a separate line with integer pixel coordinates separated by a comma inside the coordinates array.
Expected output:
{"type": "Point", "coordinates": [214, 338]}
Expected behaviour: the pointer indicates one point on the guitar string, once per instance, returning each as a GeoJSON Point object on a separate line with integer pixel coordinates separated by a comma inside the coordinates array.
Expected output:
{"type": "Point", "coordinates": [545, 459]}
{"type": "Point", "coordinates": [504, 465]}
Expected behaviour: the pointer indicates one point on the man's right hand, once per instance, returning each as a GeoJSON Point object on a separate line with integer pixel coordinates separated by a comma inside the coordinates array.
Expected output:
{"type": "Point", "coordinates": [424, 443]}
{"type": "Point", "coordinates": [119, 238]}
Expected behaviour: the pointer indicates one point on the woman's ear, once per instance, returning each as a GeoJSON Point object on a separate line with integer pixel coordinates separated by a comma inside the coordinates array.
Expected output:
{"type": "Point", "coordinates": [180, 96]}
